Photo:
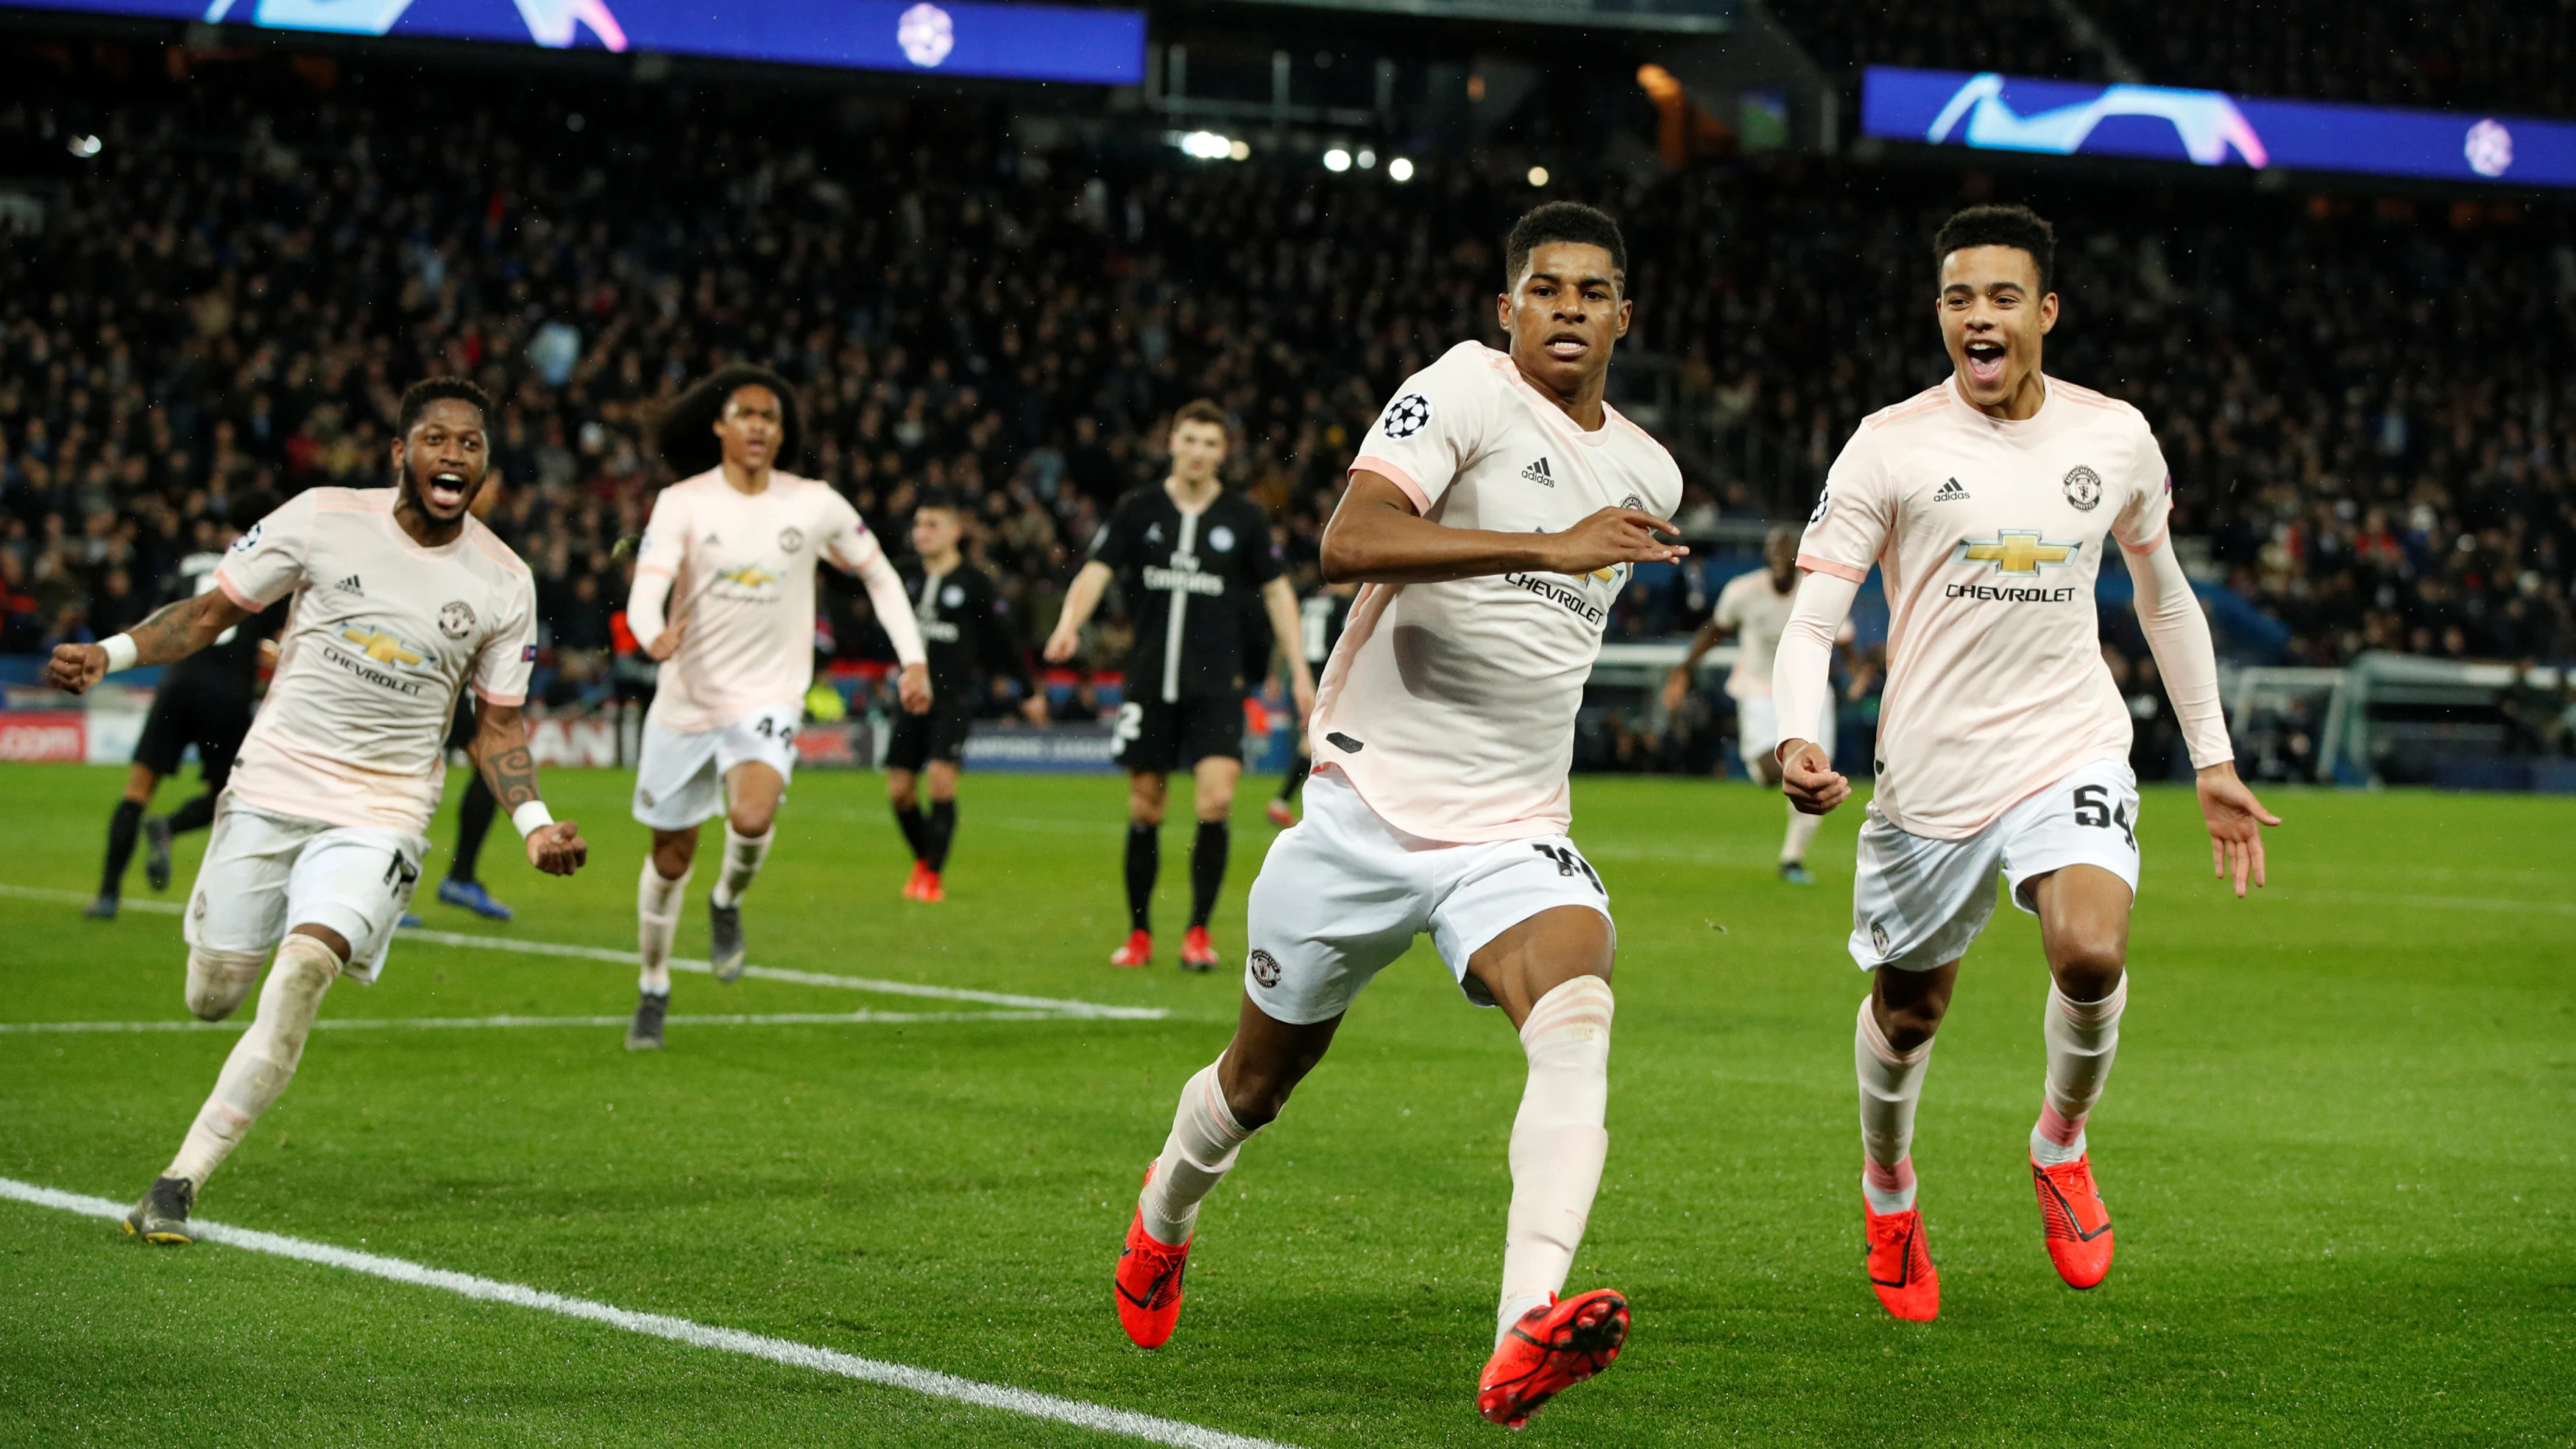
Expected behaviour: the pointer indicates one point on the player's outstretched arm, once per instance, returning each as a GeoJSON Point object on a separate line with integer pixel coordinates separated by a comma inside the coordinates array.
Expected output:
{"type": "Point", "coordinates": [1376, 537]}
{"type": "Point", "coordinates": [1677, 685]}
{"type": "Point", "coordinates": [172, 633]}
{"type": "Point", "coordinates": [2178, 634]}
{"type": "Point", "coordinates": [1079, 602]}
{"type": "Point", "coordinates": [501, 752]}
{"type": "Point", "coordinates": [2236, 821]}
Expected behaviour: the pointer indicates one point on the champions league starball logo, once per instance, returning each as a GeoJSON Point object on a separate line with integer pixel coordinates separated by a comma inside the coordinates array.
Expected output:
{"type": "Point", "coordinates": [1407, 416]}
{"type": "Point", "coordinates": [926, 35]}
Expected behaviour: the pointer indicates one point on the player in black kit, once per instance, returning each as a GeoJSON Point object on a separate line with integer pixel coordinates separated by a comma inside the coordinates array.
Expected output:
{"type": "Point", "coordinates": [966, 629]}
{"type": "Point", "coordinates": [204, 700]}
{"type": "Point", "coordinates": [1320, 617]}
{"type": "Point", "coordinates": [1188, 557]}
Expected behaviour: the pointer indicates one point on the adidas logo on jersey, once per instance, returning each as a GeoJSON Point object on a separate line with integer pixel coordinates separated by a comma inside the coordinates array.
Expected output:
{"type": "Point", "coordinates": [350, 585]}
{"type": "Point", "coordinates": [1950, 492]}
{"type": "Point", "coordinates": [1537, 473]}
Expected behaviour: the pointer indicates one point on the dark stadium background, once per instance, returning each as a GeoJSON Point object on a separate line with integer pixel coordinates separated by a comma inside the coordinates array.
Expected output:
{"type": "Point", "coordinates": [224, 250]}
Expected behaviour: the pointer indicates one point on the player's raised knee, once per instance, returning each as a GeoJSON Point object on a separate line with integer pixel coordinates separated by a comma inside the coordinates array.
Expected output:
{"type": "Point", "coordinates": [219, 981]}
{"type": "Point", "coordinates": [752, 818]}
{"type": "Point", "coordinates": [2088, 965]}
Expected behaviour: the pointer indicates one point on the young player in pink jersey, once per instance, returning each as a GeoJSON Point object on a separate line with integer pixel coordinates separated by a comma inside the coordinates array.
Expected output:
{"type": "Point", "coordinates": [724, 597]}
{"type": "Point", "coordinates": [1494, 513]}
{"type": "Point", "coordinates": [2003, 746]}
{"type": "Point", "coordinates": [401, 600]}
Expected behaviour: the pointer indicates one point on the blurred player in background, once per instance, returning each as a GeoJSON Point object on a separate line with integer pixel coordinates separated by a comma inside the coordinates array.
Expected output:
{"type": "Point", "coordinates": [724, 597]}
{"type": "Point", "coordinates": [1985, 502]}
{"type": "Point", "coordinates": [401, 600]}
{"type": "Point", "coordinates": [1320, 617]}
{"type": "Point", "coordinates": [205, 700]}
{"type": "Point", "coordinates": [1754, 607]}
{"type": "Point", "coordinates": [1187, 555]}
{"type": "Point", "coordinates": [966, 629]}
{"type": "Point", "coordinates": [1494, 513]}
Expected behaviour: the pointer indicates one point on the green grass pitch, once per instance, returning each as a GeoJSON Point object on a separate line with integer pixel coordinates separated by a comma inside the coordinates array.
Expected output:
{"type": "Point", "coordinates": [2336, 1146]}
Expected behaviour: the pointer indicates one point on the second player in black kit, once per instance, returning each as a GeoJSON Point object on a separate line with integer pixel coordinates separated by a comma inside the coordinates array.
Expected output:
{"type": "Point", "coordinates": [1195, 565]}
{"type": "Point", "coordinates": [966, 630]}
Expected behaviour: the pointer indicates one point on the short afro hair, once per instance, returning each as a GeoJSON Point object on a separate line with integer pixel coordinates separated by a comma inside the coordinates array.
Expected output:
{"type": "Point", "coordinates": [417, 398]}
{"type": "Point", "coordinates": [684, 434]}
{"type": "Point", "coordinates": [1563, 221]}
{"type": "Point", "coordinates": [2000, 226]}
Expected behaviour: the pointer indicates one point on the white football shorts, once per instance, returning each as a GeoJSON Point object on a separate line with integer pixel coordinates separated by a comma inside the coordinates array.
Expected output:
{"type": "Point", "coordinates": [1757, 731]}
{"type": "Point", "coordinates": [1917, 903]}
{"type": "Point", "coordinates": [1343, 893]}
{"type": "Point", "coordinates": [679, 781]}
{"type": "Point", "coordinates": [265, 874]}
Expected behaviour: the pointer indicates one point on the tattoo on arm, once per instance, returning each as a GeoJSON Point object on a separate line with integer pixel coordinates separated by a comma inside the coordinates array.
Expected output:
{"type": "Point", "coordinates": [176, 630]}
{"type": "Point", "coordinates": [501, 752]}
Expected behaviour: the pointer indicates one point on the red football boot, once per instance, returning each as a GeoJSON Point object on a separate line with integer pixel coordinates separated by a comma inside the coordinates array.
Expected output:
{"type": "Point", "coordinates": [912, 883]}
{"type": "Point", "coordinates": [1900, 1264]}
{"type": "Point", "coordinates": [1149, 1283]}
{"type": "Point", "coordinates": [1198, 953]}
{"type": "Point", "coordinates": [1139, 950]}
{"type": "Point", "coordinates": [931, 889]}
{"type": "Point", "coordinates": [1549, 1351]}
{"type": "Point", "coordinates": [2077, 1224]}
{"type": "Point", "coordinates": [1281, 815]}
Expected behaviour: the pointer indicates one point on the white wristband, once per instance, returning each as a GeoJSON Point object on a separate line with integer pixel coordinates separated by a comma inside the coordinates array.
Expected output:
{"type": "Point", "coordinates": [121, 652]}
{"type": "Point", "coordinates": [531, 818]}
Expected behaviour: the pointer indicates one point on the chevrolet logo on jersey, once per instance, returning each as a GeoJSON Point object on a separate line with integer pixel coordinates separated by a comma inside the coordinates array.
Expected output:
{"type": "Point", "coordinates": [2018, 551]}
{"type": "Point", "coordinates": [380, 646]}
{"type": "Point", "coordinates": [749, 576]}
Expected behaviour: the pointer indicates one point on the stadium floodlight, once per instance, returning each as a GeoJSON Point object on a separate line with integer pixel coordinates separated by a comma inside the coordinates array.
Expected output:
{"type": "Point", "coordinates": [1206, 145]}
{"type": "Point", "coordinates": [1399, 169]}
{"type": "Point", "coordinates": [86, 146]}
{"type": "Point", "coordinates": [1538, 176]}
{"type": "Point", "coordinates": [1239, 150]}
{"type": "Point", "coordinates": [1367, 159]}
{"type": "Point", "coordinates": [1337, 159]}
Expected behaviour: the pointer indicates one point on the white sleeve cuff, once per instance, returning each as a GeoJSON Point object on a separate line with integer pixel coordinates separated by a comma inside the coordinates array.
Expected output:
{"type": "Point", "coordinates": [121, 652]}
{"type": "Point", "coordinates": [531, 818]}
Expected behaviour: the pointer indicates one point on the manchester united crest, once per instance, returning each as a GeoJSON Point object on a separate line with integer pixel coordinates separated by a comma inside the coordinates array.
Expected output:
{"type": "Point", "coordinates": [790, 539]}
{"type": "Point", "coordinates": [2083, 488]}
{"type": "Point", "coordinates": [1265, 969]}
{"type": "Point", "coordinates": [456, 620]}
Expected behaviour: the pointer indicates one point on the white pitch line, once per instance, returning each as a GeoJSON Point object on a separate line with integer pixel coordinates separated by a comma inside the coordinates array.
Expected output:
{"type": "Point", "coordinates": [1057, 1005]}
{"type": "Point", "coordinates": [436, 1023]}
{"type": "Point", "coordinates": [680, 1330]}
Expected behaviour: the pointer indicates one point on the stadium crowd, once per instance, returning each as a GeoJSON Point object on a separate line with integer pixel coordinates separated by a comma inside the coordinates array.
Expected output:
{"type": "Point", "coordinates": [2368, 406]}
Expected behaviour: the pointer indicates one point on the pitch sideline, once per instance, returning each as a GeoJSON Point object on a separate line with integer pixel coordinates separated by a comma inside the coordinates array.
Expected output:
{"type": "Point", "coordinates": [1060, 1006]}
{"type": "Point", "coordinates": [1025, 1402]}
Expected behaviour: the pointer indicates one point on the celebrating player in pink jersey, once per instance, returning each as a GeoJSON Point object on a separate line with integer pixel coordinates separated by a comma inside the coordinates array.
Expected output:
{"type": "Point", "coordinates": [1494, 513]}
{"type": "Point", "coordinates": [2003, 745]}
{"type": "Point", "coordinates": [401, 599]}
{"type": "Point", "coordinates": [724, 597]}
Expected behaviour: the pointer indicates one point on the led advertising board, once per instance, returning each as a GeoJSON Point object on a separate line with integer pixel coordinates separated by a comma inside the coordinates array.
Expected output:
{"type": "Point", "coordinates": [2211, 128]}
{"type": "Point", "coordinates": [939, 37]}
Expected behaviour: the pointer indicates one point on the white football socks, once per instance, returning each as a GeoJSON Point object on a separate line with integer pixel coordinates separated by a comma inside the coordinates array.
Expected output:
{"type": "Point", "coordinates": [1558, 1143]}
{"type": "Point", "coordinates": [657, 920]}
{"type": "Point", "coordinates": [263, 1061]}
{"type": "Point", "coordinates": [2082, 1038]}
{"type": "Point", "coordinates": [742, 857]}
{"type": "Point", "coordinates": [1801, 834]}
{"type": "Point", "coordinates": [1891, 1084]}
{"type": "Point", "coordinates": [1196, 1157]}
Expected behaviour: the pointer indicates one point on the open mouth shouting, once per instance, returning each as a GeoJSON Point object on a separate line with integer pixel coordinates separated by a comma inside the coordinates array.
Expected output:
{"type": "Point", "coordinates": [1985, 362]}
{"type": "Point", "coordinates": [1567, 346]}
{"type": "Point", "coordinates": [446, 491]}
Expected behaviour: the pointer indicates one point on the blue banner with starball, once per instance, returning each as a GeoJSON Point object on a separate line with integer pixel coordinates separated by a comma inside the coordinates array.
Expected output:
{"type": "Point", "coordinates": [932, 37]}
{"type": "Point", "coordinates": [2211, 128]}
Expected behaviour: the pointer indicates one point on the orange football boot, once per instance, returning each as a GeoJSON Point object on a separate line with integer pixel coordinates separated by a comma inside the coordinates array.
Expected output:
{"type": "Point", "coordinates": [1550, 1350]}
{"type": "Point", "coordinates": [1198, 953]}
{"type": "Point", "coordinates": [1281, 815]}
{"type": "Point", "coordinates": [1139, 950]}
{"type": "Point", "coordinates": [2077, 1223]}
{"type": "Point", "coordinates": [912, 883]}
{"type": "Point", "coordinates": [1149, 1282]}
{"type": "Point", "coordinates": [1900, 1264]}
{"type": "Point", "coordinates": [931, 889]}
